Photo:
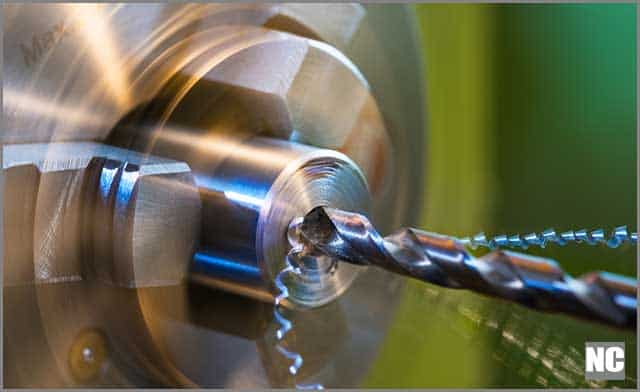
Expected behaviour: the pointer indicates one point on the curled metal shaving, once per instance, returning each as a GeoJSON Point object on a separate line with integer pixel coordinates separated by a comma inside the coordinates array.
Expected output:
{"type": "Point", "coordinates": [617, 237]}
{"type": "Point", "coordinates": [531, 281]}
{"type": "Point", "coordinates": [285, 325]}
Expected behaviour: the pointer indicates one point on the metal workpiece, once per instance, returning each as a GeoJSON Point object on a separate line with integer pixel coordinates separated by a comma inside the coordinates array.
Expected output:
{"type": "Point", "coordinates": [247, 204]}
{"type": "Point", "coordinates": [90, 211]}
{"type": "Point", "coordinates": [268, 137]}
{"type": "Point", "coordinates": [133, 220]}
{"type": "Point", "coordinates": [234, 89]}
{"type": "Point", "coordinates": [531, 281]}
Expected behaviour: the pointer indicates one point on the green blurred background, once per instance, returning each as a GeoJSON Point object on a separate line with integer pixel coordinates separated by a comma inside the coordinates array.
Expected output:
{"type": "Point", "coordinates": [532, 124]}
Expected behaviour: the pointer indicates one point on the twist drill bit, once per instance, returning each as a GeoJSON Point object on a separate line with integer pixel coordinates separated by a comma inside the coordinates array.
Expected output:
{"type": "Point", "coordinates": [531, 281]}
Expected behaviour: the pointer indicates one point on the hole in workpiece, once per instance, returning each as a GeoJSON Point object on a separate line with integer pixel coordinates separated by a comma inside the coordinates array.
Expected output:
{"type": "Point", "coordinates": [304, 256]}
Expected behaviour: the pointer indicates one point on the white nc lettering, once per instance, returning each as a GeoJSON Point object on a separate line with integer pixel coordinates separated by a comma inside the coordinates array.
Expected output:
{"type": "Point", "coordinates": [614, 359]}
{"type": "Point", "coordinates": [595, 359]}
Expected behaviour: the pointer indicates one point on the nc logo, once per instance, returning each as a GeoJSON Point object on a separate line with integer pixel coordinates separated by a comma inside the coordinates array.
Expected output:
{"type": "Point", "coordinates": [604, 361]}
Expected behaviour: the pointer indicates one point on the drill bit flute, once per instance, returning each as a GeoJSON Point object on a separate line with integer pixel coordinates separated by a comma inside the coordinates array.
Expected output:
{"type": "Point", "coordinates": [531, 281]}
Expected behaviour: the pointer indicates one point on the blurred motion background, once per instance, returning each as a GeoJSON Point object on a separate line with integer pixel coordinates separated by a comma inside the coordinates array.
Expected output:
{"type": "Point", "coordinates": [532, 124]}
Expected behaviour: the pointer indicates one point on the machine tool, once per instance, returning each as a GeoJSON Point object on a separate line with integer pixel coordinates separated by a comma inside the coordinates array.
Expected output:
{"type": "Point", "coordinates": [170, 172]}
{"type": "Point", "coordinates": [153, 156]}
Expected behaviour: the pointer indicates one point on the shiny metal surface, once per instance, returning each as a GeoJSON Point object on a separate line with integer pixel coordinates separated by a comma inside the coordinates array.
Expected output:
{"type": "Point", "coordinates": [184, 75]}
{"type": "Point", "coordinates": [531, 281]}
{"type": "Point", "coordinates": [73, 71]}
{"type": "Point", "coordinates": [248, 201]}
{"type": "Point", "coordinates": [138, 219]}
{"type": "Point", "coordinates": [90, 211]}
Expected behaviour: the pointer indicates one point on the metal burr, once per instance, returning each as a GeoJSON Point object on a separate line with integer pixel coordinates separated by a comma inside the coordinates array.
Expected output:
{"type": "Point", "coordinates": [535, 282]}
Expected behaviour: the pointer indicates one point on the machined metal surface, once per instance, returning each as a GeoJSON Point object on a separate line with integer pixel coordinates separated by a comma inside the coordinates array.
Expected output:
{"type": "Point", "coordinates": [74, 71]}
{"type": "Point", "coordinates": [248, 201]}
{"type": "Point", "coordinates": [89, 210]}
{"type": "Point", "coordinates": [80, 224]}
{"type": "Point", "coordinates": [197, 84]}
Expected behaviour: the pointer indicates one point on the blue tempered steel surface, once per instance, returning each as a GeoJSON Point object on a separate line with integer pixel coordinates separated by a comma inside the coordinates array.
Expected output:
{"type": "Point", "coordinates": [108, 176]}
{"type": "Point", "coordinates": [128, 179]}
{"type": "Point", "coordinates": [212, 265]}
{"type": "Point", "coordinates": [235, 257]}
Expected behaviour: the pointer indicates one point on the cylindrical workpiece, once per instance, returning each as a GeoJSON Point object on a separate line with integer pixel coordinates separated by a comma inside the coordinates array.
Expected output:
{"type": "Point", "coordinates": [248, 201]}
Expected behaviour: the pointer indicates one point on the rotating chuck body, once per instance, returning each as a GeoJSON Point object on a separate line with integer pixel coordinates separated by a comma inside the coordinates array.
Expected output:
{"type": "Point", "coordinates": [175, 149]}
{"type": "Point", "coordinates": [84, 210]}
{"type": "Point", "coordinates": [266, 126]}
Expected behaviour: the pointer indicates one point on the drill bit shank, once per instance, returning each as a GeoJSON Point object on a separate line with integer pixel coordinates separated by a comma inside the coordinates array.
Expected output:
{"type": "Point", "coordinates": [531, 281]}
